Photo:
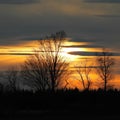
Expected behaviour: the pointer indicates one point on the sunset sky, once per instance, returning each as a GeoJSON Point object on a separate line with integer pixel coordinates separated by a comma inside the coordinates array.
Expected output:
{"type": "Point", "coordinates": [90, 25]}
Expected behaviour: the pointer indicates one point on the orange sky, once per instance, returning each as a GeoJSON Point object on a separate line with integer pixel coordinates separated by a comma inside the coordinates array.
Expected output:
{"type": "Point", "coordinates": [15, 55]}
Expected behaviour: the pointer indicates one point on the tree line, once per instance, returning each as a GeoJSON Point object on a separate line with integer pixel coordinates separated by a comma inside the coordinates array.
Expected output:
{"type": "Point", "coordinates": [47, 68]}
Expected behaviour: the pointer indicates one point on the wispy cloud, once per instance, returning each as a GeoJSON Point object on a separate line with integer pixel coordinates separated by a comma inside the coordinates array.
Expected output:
{"type": "Point", "coordinates": [102, 1]}
{"type": "Point", "coordinates": [82, 46]}
{"type": "Point", "coordinates": [108, 16]}
{"type": "Point", "coordinates": [16, 53]}
{"type": "Point", "coordinates": [17, 1]}
{"type": "Point", "coordinates": [91, 53]}
{"type": "Point", "coordinates": [30, 22]}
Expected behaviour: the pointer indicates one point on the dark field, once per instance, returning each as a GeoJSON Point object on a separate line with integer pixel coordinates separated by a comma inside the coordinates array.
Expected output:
{"type": "Point", "coordinates": [70, 104]}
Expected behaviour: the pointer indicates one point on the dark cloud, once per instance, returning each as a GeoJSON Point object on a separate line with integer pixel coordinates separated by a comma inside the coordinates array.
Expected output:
{"type": "Point", "coordinates": [102, 1]}
{"type": "Point", "coordinates": [32, 38]}
{"type": "Point", "coordinates": [82, 46]}
{"type": "Point", "coordinates": [108, 16]}
{"type": "Point", "coordinates": [14, 29]}
{"type": "Point", "coordinates": [77, 38]}
{"type": "Point", "coordinates": [83, 53]}
{"type": "Point", "coordinates": [17, 27]}
{"type": "Point", "coordinates": [90, 53]}
{"type": "Point", "coordinates": [17, 1]}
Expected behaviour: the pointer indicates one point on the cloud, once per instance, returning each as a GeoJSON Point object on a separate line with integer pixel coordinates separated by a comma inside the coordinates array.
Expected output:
{"type": "Point", "coordinates": [16, 54]}
{"type": "Point", "coordinates": [90, 53]}
{"type": "Point", "coordinates": [82, 53]}
{"type": "Point", "coordinates": [29, 22]}
{"type": "Point", "coordinates": [108, 16]}
{"type": "Point", "coordinates": [82, 46]}
{"type": "Point", "coordinates": [17, 1]}
{"type": "Point", "coordinates": [102, 1]}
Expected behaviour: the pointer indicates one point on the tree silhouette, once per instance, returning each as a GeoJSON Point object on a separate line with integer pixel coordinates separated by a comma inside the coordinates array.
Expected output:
{"type": "Point", "coordinates": [12, 77]}
{"type": "Point", "coordinates": [47, 66]}
{"type": "Point", "coordinates": [84, 70]}
{"type": "Point", "coordinates": [105, 63]}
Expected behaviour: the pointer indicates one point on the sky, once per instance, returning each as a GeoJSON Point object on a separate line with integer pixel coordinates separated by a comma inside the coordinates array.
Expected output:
{"type": "Point", "coordinates": [95, 22]}
{"type": "Point", "coordinates": [83, 20]}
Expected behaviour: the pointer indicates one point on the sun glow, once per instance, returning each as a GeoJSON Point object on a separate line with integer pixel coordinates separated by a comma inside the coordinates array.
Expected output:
{"type": "Point", "coordinates": [65, 52]}
{"type": "Point", "coordinates": [16, 54]}
{"type": "Point", "coordinates": [67, 48]}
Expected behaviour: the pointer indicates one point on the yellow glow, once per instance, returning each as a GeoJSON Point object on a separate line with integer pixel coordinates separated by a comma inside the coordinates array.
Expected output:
{"type": "Point", "coordinates": [16, 55]}
{"type": "Point", "coordinates": [10, 60]}
{"type": "Point", "coordinates": [71, 49]}
{"type": "Point", "coordinates": [68, 48]}
{"type": "Point", "coordinates": [69, 43]}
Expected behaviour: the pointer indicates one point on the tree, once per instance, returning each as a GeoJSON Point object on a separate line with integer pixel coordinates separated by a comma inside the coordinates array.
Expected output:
{"type": "Point", "coordinates": [35, 72]}
{"type": "Point", "coordinates": [84, 71]}
{"type": "Point", "coordinates": [12, 77]}
{"type": "Point", "coordinates": [105, 63]}
{"type": "Point", "coordinates": [47, 66]}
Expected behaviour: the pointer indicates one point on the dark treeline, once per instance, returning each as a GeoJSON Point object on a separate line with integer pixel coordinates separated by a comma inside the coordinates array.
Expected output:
{"type": "Point", "coordinates": [68, 102]}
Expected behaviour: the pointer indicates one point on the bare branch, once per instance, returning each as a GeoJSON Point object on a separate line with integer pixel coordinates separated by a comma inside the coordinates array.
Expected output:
{"type": "Point", "coordinates": [84, 71]}
{"type": "Point", "coordinates": [105, 63]}
{"type": "Point", "coordinates": [47, 67]}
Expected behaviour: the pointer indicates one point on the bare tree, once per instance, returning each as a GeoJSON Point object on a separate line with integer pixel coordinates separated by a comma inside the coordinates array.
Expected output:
{"type": "Point", "coordinates": [35, 72]}
{"type": "Point", "coordinates": [12, 77]}
{"type": "Point", "coordinates": [105, 63]}
{"type": "Point", "coordinates": [47, 66]}
{"type": "Point", "coordinates": [84, 70]}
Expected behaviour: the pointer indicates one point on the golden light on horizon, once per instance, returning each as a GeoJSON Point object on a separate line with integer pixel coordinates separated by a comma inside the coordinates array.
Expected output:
{"type": "Point", "coordinates": [13, 55]}
{"type": "Point", "coordinates": [16, 55]}
{"type": "Point", "coordinates": [71, 49]}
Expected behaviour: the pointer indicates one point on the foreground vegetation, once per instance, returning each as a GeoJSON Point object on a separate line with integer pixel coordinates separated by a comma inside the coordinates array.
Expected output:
{"type": "Point", "coordinates": [62, 102]}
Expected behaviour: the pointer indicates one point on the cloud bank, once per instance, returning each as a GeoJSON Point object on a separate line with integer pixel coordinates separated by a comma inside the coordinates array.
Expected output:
{"type": "Point", "coordinates": [91, 53]}
{"type": "Point", "coordinates": [18, 1]}
{"type": "Point", "coordinates": [102, 1]}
